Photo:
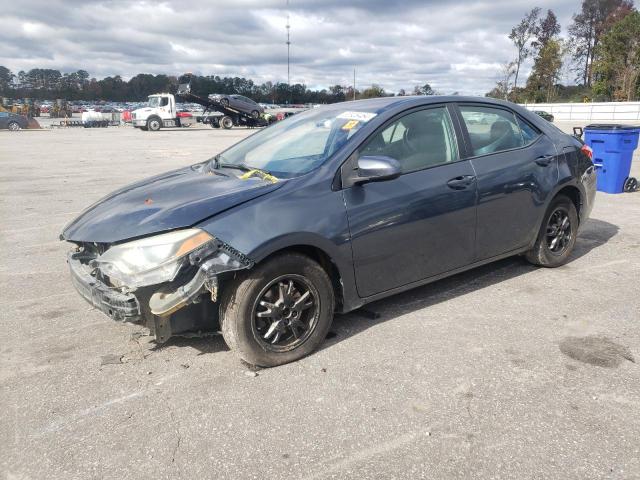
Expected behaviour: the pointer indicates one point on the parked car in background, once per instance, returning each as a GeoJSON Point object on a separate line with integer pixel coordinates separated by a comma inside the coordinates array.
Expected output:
{"type": "Point", "coordinates": [328, 210]}
{"type": "Point", "coordinates": [238, 102]}
{"type": "Point", "coordinates": [546, 115]}
{"type": "Point", "coordinates": [12, 121]}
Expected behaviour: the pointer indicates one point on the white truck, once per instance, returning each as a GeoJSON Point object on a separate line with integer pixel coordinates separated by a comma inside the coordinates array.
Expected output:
{"type": "Point", "coordinates": [160, 112]}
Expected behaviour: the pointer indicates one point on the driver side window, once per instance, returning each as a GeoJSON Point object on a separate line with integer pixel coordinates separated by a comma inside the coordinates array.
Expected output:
{"type": "Point", "coordinates": [417, 141]}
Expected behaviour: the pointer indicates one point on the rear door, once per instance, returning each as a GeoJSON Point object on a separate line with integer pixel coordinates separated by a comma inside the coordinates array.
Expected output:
{"type": "Point", "coordinates": [517, 169]}
{"type": "Point", "coordinates": [421, 223]}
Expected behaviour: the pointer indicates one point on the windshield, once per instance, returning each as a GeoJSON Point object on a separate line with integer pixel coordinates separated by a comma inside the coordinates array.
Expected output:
{"type": "Point", "coordinates": [298, 144]}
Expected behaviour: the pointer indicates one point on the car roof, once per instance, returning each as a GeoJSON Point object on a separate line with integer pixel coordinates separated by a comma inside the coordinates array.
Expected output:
{"type": "Point", "coordinates": [385, 103]}
{"type": "Point", "coordinates": [391, 105]}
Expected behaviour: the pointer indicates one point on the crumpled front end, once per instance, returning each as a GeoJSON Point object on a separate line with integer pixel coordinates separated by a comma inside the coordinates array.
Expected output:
{"type": "Point", "coordinates": [184, 304]}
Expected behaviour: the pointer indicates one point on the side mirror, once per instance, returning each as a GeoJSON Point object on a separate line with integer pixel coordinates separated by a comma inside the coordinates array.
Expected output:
{"type": "Point", "coordinates": [577, 132]}
{"type": "Point", "coordinates": [376, 169]}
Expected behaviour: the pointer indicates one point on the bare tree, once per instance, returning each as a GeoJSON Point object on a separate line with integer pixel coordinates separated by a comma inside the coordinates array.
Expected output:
{"type": "Point", "coordinates": [521, 36]}
{"type": "Point", "coordinates": [503, 81]}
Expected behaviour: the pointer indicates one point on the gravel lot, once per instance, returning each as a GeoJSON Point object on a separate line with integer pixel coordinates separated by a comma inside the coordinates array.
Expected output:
{"type": "Point", "coordinates": [507, 371]}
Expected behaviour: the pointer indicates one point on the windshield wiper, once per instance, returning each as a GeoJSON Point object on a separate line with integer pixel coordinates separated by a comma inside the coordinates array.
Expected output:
{"type": "Point", "coordinates": [250, 171]}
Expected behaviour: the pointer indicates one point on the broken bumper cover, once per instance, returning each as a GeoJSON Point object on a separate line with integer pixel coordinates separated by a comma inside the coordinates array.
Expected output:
{"type": "Point", "coordinates": [119, 306]}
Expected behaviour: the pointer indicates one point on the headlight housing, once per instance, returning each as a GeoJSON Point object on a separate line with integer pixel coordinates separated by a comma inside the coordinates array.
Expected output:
{"type": "Point", "coordinates": [151, 260]}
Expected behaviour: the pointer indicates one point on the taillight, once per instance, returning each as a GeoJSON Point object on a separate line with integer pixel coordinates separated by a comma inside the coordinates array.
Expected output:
{"type": "Point", "coordinates": [586, 149]}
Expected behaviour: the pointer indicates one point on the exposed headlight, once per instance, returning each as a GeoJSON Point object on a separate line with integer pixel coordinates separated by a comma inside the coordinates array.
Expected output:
{"type": "Point", "coordinates": [152, 260]}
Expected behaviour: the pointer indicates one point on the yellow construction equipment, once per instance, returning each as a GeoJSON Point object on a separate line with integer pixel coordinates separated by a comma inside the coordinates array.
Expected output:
{"type": "Point", "coordinates": [60, 109]}
{"type": "Point", "coordinates": [6, 107]}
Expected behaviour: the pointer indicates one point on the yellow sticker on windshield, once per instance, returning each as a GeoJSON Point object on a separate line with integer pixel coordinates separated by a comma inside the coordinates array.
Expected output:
{"type": "Point", "coordinates": [350, 124]}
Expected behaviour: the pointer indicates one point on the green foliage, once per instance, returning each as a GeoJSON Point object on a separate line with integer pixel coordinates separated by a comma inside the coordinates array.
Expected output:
{"type": "Point", "coordinates": [424, 90]}
{"type": "Point", "coordinates": [617, 65]}
{"type": "Point", "coordinates": [373, 91]}
{"type": "Point", "coordinates": [594, 19]}
{"type": "Point", "coordinates": [545, 73]}
{"type": "Point", "coordinates": [521, 36]}
{"type": "Point", "coordinates": [50, 84]}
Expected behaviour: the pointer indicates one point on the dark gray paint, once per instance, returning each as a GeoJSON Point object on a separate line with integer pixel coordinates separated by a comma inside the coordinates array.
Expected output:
{"type": "Point", "coordinates": [389, 236]}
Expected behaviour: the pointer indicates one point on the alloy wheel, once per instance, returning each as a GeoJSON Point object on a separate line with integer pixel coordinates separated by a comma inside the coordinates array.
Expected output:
{"type": "Point", "coordinates": [559, 232]}
{"type": "Point", "coordinates": [285, 313]}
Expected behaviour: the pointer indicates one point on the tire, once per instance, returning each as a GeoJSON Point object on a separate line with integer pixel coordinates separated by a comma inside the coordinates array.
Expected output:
{"type": "Point", "coordinates": [630, 184]}
{"type": "Point", "coordinates": [255, 114]}
{"type": "Point", "coordinates": [154, 124]}
{"type": "Point", "coordinates": [247, 322]}
{"type": "Point", "coordinates": [224, 102]}
{"type": "Point", "coordinates": [14, 126]}
{"type": "Point", "coordinates": [226, 122]}
{"type": "Point", "coordinates": [549, 253]}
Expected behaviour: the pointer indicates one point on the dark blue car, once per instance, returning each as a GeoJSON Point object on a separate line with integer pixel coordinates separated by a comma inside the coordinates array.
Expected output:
{"type": "Point", "coordinates": [327, 211]}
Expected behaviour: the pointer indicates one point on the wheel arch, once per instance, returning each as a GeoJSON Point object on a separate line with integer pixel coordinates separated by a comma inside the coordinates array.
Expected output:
{"type": "Point", "coordinates": [574, 195]}
{"type": "Point", "coordinates": [570, 190]}
{"type": "Point", "coordinates": [323, 258]}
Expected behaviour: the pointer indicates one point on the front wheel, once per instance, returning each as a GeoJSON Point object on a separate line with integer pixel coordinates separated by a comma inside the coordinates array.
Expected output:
{"type": "Point", "coordinates": [557, 235]}
{"type": "Point", "coordinates": [14, 126]}
{"type": "Point", "coordinates": [278, 312]}
{"type": "Point", "coordinates": [255, 114]}
{"type": "Point", "coordinates": [154, 124]}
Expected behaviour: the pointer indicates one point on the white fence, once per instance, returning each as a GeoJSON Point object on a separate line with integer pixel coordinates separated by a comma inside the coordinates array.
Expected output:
{"type": "Point", "coordinates": [597, 111]}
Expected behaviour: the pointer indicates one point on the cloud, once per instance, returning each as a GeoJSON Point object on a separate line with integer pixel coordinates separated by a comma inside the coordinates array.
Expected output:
{"type": "Point", "coordinates": [454, 46]}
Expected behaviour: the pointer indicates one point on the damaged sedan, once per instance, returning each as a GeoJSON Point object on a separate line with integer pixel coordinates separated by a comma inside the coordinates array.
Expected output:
{"type": "Point", "coordinates": [329, 210]}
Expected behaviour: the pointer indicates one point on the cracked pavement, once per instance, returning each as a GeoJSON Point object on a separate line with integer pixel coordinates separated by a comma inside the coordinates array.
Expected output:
{"type": "Point", "coordinates": [506, 371]}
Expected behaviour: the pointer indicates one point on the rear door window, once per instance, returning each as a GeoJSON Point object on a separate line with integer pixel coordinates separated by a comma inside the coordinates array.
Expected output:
{"type": "Point", "coordinates": [494, 130]}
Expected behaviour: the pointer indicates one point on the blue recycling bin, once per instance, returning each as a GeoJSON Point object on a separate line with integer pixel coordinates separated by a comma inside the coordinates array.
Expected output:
{"type": "Point", "coordinates": [613, 147]}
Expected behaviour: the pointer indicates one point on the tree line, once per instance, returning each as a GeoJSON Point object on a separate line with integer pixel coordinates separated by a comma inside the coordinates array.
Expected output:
{"type": "Point", "coordinates": [41, 84]}
{"type": "Point", "coordinates": [602, 50]}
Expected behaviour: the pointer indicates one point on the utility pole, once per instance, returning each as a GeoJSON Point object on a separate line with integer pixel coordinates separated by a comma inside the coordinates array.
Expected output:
{"type": "Point", "coordinates": [354, 83]}
{"type": "Point", "coordinates": [288, 54]}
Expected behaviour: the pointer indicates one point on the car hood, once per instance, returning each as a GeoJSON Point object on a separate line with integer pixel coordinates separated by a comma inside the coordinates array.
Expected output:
{"type": "Point", "coordinates": [176, 199]}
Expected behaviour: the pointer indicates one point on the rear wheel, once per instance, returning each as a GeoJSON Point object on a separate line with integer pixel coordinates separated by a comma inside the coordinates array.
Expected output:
{"type": "Point", "coordinates": [154, 124]}
{"type": "Point", "coordinates": [226, 122]}
{"type": "Point", "coordinates": [14, 126]}
{"type": "Point", "coordinates": [630, 184]}
{"type": "Point", "coordinates": [278, 312]}
{"type": "Point", "coordinates": [557, 235]}
{"type": "Point", "coordinates": [224, 102]}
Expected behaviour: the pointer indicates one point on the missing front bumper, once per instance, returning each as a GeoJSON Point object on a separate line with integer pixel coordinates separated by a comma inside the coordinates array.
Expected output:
{"type": "Point", "coordinates": [119, 306]}
{"type": "Point", "coordinates": [166, 309]}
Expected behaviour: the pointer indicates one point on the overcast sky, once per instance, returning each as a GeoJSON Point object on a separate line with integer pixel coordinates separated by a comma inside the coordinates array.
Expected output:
{"type": "Point", "coordinates": [454, 46]}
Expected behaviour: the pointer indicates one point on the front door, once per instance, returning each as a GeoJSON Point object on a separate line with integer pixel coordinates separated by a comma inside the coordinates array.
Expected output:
{"type": "Point", "coordinates": [517, 169]}
{"type": "Point", "coordinates": [421, 223]}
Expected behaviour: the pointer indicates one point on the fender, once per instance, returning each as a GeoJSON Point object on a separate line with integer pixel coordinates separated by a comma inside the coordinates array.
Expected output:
{"type": "Point", "coordinates": [302, 240]}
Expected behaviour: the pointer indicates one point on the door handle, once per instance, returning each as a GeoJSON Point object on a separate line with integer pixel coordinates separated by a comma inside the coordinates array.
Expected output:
{"type": "Point", "coordinates": [461, 182]}
{"type": "Point", "coordinates": [544, 160]}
